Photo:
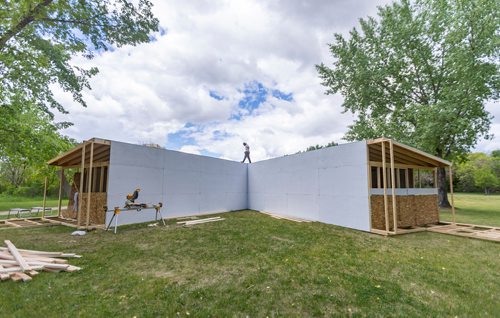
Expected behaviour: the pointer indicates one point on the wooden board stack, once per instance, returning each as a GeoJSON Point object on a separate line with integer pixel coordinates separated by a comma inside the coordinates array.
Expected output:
{"type": "Point", "coordinates": [199, 221]}
{"type": "Point", "coordinates": [18, 264]}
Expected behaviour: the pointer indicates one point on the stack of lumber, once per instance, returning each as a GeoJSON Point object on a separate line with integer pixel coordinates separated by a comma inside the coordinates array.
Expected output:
{"type": "Point", "coordinates": [18, 264]}
{"type": "Point", "coordinates": [283, 217]}
{"type": "Point", "coordinates": [199, 221]}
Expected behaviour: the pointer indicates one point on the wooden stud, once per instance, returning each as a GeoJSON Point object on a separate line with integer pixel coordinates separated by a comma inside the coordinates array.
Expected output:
{"type": "Point", "coordinates": [407, 178]}
{"type": "Point", "coordinates": [435, 178]}
{"type": "Point", "coordinates": [384, 176]}
{"type": "Point", "coordinates": [60, 193]}
{"type": "Point", "coordinates": [418, 179]}
{"type": "Point", "coordinates": [398, 178]}
{"type": "Point", "coordinates": [44, 196]}
{"type": "Point", "coordinates": [379, 171]}
{"type": "Point", "coordinates": [89, 183]}
{"type": "Point", "coordinates": [451, 194]}
{"type": "Point", "coordinates": [394, 212]}
{"type": "Point", "coordinates": [101, 180]}
{"type": "Point", "coordinates": [80, 190]}
{"type": "Point", "coordinates": [17, 256]}
{"type": "Point", "coordinates": [370, 185]}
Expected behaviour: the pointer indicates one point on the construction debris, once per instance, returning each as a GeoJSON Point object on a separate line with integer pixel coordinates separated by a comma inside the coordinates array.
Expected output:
{"type": "Point", "coordinates": [199, 221]}
{"type": "Point", "coordinates": [18, 264]}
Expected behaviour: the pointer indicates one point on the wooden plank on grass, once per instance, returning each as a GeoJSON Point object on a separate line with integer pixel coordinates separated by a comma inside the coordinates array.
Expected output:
{"type": "Point", "coordinates": [198, 220]}
{"type": "Point", "coordinates": [17, 256]}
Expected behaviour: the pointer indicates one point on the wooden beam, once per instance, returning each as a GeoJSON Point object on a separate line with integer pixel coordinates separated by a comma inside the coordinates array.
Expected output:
{"type": "Point", "coordinates": [60, 193]}
{"type": "Point", "coordinates": [71, 151]}
{"type": "Point", "coordinates": [394, 212]}
{"type": "Point", "coordinates": [384, 176]}
{"type": "Point", "coordinates": [44, 196]}
{"type": "Point", "coordinates": [407, 179]}
{"type": "Point", "coordinates": [370, 185]}
{"type": "Point", "coordinates": [17, 256]}
{"type": "Point", "coordinates": [89, 183]}
{"type": "Point", "coordinates": [379, 171]}
{"type": "Point", "coordinates": [451, 194]}
{"type": "Point", "coordinates": [80, 189]}
{"type": "Point", "coordinates": [101, 180]}
{"type": "Point", "coordinates": [405, 158]}
{"type": "Point", "coordinates": [95, 164]}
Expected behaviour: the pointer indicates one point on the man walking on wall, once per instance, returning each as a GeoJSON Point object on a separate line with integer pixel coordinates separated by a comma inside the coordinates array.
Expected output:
{"type": "Point", "coordinates": [247, 153]}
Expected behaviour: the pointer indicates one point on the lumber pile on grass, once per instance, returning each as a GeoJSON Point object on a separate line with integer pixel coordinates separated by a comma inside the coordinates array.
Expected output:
{"type": "Point", "coordinates": [289, 218]}
{"type": "Point", "coordinates": [18, 264]}
{"type": "Point", "coordinates": [199, 221]}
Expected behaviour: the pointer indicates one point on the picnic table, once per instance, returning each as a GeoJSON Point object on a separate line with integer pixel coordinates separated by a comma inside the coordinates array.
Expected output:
{"type": "Point", "coordinates": [18, 211]}
{"type": "Point", "coordinates": [39, 209]}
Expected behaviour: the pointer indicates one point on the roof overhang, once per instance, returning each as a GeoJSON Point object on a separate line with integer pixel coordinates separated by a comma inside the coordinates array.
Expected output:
{"type": "Point", "coordinates": [73, 158]}
{"type": "Point", "coordinates": [404, 154]}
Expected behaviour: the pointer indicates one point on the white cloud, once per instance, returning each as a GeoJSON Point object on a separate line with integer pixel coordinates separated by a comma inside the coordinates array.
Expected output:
{"type": "Point", "coordinates": [144, 93]}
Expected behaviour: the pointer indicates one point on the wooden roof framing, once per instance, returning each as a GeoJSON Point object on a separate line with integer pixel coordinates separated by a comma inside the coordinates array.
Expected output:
{"type": "Point", "coordinates": [404, 154]}
{"type": "Point", "coordinates": [73, 158]}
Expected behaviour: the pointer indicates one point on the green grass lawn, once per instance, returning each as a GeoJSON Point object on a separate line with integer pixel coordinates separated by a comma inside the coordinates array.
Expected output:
{"type": "Point", "coordinates": [475, 208]}
{"type": "Point", "coordinates": [253, 265]}
{"type": "Point", "coordinates": [9, 202]}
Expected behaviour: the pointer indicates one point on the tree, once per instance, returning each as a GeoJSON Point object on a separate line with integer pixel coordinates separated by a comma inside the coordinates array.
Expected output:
{"type": "Point", "coordinates": [28, 144]}
{"type": "Point", "coordinates": [39, 38]}
{"type": "Point", "coordinates": [316, 147]}
{"type": "Point", "coordinates": [421, 74]}
{"type": "Point", "coordinates": [479, 172]}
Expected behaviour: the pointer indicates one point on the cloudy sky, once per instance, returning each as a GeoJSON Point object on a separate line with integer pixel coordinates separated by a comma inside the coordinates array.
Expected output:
{"type": "Point", "coordinates": [223, 72]}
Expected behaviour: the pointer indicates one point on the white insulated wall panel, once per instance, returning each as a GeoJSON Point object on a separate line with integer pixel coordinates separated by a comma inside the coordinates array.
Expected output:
{"type": "Point", "coordinates": [186, 184]}
{"type": "Point", "coordinates": [328, 185]}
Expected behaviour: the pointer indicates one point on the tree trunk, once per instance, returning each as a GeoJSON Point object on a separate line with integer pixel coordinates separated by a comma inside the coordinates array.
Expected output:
{"type": "Point", "coordinates": [442, 189]}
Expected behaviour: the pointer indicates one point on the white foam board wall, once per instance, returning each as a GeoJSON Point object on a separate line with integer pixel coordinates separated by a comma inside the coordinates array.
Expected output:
{"type": "Point", "coordinates": [186, 184]}
{"type": "Point", "coordinates": [329, 185]}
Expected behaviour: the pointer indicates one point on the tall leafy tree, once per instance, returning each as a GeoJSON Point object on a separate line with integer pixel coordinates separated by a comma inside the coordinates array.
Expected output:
{"type": "Point", "coordinates": [39, 38]}
{"type": "Point", "coordinates": [420, 73]}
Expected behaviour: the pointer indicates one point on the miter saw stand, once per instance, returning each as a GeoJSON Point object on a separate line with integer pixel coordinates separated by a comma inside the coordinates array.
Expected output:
{"type": "Point", "coordinates": [134, 207]}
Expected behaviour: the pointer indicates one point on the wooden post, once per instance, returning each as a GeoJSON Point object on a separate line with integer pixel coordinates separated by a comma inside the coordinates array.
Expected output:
{"type": "Point", "coordinates": [89, 184]}
{"type": "Point", "coordinates": [407, 178]}
{"type": "Point", "coordinates": [60, 193]}
{"type": "Point", "coordinates": [80, 190]}
{"type": "Point", "coordinates": [379, 171]}
{"type": "Point", "coordinates": [384, 176]}
{"type": "Point", "coordinates": [451, 194]}
{"type": "Point", "coordinates": [418, 178]}
{"type": "Point", "coordinates": [436, 177]}
{"type": "Point", "coordinates": [395, 220]}
{"type": "Point", "coordinates": [44, 197]}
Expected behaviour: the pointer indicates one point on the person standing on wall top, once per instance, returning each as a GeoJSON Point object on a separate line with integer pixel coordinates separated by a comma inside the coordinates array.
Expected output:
{"type": "Point", "coordinates": [247, 153]}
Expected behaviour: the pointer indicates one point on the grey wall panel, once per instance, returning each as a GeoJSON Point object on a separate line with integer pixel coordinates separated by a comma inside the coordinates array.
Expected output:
{"type": "Point", "coordinates": [186, 184]}
{"type": "Point", "coordinates": [328, 185]}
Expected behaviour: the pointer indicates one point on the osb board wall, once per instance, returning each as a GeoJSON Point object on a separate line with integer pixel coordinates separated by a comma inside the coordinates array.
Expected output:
{"type": "Point", "coordinates": [97, 202]}
{"type": "Point", "coordinates": [412, 210]}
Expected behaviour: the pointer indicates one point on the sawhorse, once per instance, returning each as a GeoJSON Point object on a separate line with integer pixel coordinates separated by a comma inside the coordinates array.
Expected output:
{"type": "Point", "coordinates": [116, 212]}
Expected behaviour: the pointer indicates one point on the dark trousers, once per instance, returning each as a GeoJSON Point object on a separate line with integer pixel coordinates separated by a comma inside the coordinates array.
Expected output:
{"type": "Point", "coordinates": [247, 155]}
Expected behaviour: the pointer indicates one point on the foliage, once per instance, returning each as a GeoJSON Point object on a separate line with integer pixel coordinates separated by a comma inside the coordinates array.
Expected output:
{"type": "Point", "coordinates": [421, 74]}
{"type": "Point", "coordinates": [316, 147]}
{"type": "Point", "coordinates": [479, 172]}
{"type": "Point", "coordinates": [39, 38]}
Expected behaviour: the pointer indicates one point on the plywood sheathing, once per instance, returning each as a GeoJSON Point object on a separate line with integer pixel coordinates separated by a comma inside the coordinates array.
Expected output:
{"type": "Point", "coordinates": [412, 210]}
{"type": "Point", "coordinates": [97, 203]}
